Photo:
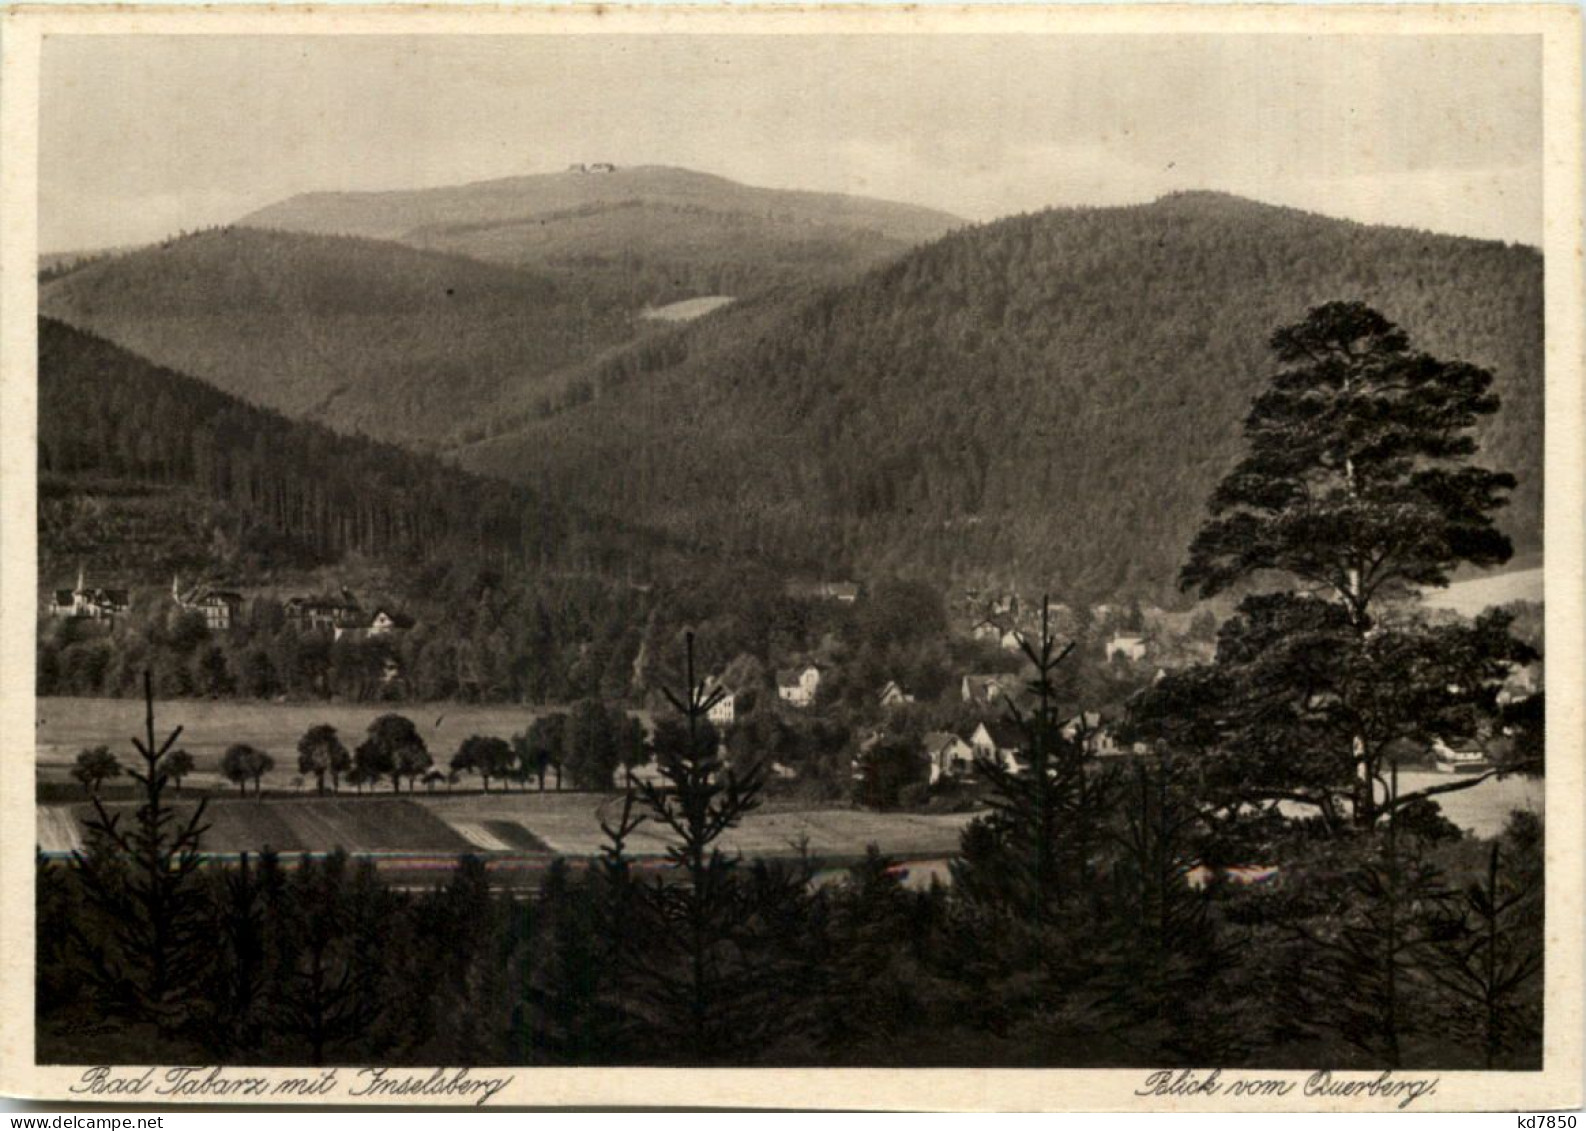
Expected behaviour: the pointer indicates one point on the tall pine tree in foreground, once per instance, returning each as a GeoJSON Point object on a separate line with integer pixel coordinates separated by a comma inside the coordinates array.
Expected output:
{"type": "Point", "coordinates": [1357, 487]}
{"type": "Point", "coordinates": [148, 932]}
{"type": "Point", "coordinates": [703, 987]}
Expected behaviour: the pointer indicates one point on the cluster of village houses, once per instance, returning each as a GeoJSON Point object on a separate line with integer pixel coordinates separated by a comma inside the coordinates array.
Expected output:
{"type": "Point", "coordinates": [342, 617]}
{"type": "Point", "coordinates": [951, 756]}
{"type": "Point", "coordinates": [1001, 620]}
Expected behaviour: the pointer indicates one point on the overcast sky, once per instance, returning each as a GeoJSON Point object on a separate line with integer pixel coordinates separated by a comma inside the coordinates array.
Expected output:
{"type": "Point", "coordinates": [143, 136]}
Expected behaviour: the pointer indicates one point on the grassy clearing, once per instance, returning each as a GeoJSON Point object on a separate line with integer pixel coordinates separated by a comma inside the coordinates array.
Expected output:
{"type": "Point", "coordinates": [1469, 596]}
{"type": "Point", "coordinates": [569, 824]}
{"type": "Point", "coordinates": [374, 824]}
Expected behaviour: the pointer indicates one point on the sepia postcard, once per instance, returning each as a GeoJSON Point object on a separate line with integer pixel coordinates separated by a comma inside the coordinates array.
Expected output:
{"type": "Point", "coordinates": [934, 558]}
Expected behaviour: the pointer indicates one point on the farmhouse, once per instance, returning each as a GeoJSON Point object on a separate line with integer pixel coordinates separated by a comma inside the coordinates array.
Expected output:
{"type": "Point", "coordinates": [1459, 756]}
{"type": "Point", "coordinates": [997, 741]}
{"type": "Point", "coordinates": [386, 623]}
{"type": "Point", "coordinates": [987, 630]}
{"type": "Point", "coordinates": [798, 686]}
{"type": "Point", "coordinates": [310, 614]}
{"type": "Point", "coordinates": [92, 604]}
{"type": "Point", "coordinates": [894, 696]}
{"type": "Point", "coordinates": [950, 755]}
{"type": "Point", "coordinates": [219, 607]}
{"type": "Point", "coordinates": [725, 709]}
{"type": "Point", "coordinates": [845, 591]}
{"type": "Point", "coordinates": [985, 690]}
{"type": "Point", "coordinates": [1522, 682]}
{"type": "Point", "coordinates": [1130, 645]}
{"type": "Point", "coordinates": [1098, 738]}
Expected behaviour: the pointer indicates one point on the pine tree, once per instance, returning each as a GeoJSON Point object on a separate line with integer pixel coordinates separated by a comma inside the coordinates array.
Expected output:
{"type": "Point", "coordinates": [702, 985]}
{"type": "Point", "coordinates": [1489, 947]}
{"type": "Point", "coordinates": [147, 930]}
{"type": "Point", "coordinates": [1356, 485]}
{"type": "Point", "coordinates": [1039, 847]}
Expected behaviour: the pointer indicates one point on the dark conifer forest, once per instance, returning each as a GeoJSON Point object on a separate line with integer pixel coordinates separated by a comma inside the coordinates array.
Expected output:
{"type": "Point", "coordinates": [133, 456]}
{"type": "Point", "coordinates": [963, 411]}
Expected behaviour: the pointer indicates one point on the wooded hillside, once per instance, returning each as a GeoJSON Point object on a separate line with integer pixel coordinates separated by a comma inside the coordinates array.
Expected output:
{"type": "Point", "coordinates": [144, 471]}
{"type": "Point", "coordinates": [1046, 400]}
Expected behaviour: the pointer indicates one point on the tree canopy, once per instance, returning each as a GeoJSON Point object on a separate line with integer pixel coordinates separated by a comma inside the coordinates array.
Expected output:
{"type": "Point", "coordinates": [1353, 481]}
{"type": "Point", "coordinates": [1356, 486]}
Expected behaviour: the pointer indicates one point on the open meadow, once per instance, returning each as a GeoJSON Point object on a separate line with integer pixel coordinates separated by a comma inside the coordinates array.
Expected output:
{"type": "Point", "coordinates": [414, 836]}
{"type": "Point", "coordinates": [64, 726]}
{"type": "Point", "coordinates": [1469, 596]}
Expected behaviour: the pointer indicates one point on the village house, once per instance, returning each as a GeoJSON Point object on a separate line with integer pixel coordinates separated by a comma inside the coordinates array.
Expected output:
{"type": "Point", "coordinates": [951, 756]}
{"type": "Point", "coordinates": [1459, 756]}
{"type": "Point", "coordinates": [1522, 682]}
{"type": "Point", "coordinates": [381, 624]}
{"type": "Point", "coordinates": [725, 709]}
{"type": "Point", "coordinates": [219, 607]}
{"type": "Point", "coordinates": [1099, 740]}
{"type": "Point", "coordinates": [986, 690]}
{"type": "Point", "coordinates": [846, 592]}
{"type": "Point", "coordinates": [997, 741]}
{"type": "Point", "coordinates": [894, 696]}
{"type": "Point", "coordinates": [1012, 641]}
{"type": "Point", "coordinates": [387, 623]}
{"type": "Point", "coordinates": [328, 614]}
{"type": "Point", "coordinates": [798, 686]}
{"type": "Point", "coordinates": [1130, 645]}
{"type": "Point", "coordinates": [987, 630]}
{"type": "Point", "coordinates": [92, 604]}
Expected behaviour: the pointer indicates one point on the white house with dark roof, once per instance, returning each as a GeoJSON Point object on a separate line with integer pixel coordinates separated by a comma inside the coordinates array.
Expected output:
{"type": "Point", "coordinates": [724, 710]}
{"type": "Point", "coordinates": [92, 604]}
{"type": "Point", "coordinates": [951, 756]}
{"type": "Point", "coordinates": [1130, 645]}
{"type": "Point", "coordinates": [797, 686]}
{"type": "Point", "coordinates": [997, 740]}
{"type": "Point", "coordinates": [220, 608]}
{"type": "Point", "coordinates": [985, 690]}
{"type": "Point", "coordinates": [892, 695]}
{"type": "Point", "coordinates": [308, 614]}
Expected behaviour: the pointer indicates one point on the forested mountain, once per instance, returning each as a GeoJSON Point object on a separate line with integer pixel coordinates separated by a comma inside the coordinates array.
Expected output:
{"type": "Point", "coordinates": [1046, 400]}
{"type": "Point", "coordinates": [653, 233]}
{"type": "Point", "coordinates": [495, 304]}
{"type": "Point", "coordinates": [356, 334]}
{"type": "Point", "coordinates": [144, 471]}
